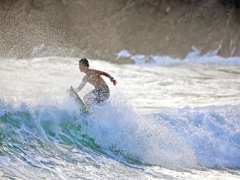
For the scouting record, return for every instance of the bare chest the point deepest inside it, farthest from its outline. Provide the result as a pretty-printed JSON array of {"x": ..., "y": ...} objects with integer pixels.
[{"x": 95, "y": 80}]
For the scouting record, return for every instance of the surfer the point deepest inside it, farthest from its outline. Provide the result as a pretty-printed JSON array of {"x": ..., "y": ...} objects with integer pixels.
[{"x": 101, "y": 91}]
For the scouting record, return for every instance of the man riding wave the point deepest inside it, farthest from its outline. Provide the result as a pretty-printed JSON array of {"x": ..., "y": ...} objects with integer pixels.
[{"x": 101, "y": 91}]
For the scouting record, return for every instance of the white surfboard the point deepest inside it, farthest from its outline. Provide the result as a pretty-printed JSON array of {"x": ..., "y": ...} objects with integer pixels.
[{"x": 78, "y": 100}]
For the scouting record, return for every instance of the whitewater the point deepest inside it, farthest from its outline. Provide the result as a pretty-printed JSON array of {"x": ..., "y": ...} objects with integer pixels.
[{"x": 166, "y": 119}]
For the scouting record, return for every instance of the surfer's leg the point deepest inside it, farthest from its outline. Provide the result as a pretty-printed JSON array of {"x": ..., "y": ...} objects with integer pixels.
[
  {"x": 97, "y": 95},
  {"x": 90, "y": 98},
  {"x": 103, "y": 93}
]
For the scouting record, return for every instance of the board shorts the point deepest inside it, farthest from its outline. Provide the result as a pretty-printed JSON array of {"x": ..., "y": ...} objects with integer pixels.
[{"x": 97, "y": 95}]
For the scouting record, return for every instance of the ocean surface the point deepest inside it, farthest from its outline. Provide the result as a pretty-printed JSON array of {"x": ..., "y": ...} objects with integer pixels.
[{"x": 166, "y": 119}]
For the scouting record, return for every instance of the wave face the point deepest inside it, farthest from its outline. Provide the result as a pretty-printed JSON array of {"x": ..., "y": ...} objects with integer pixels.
[
  {"x": 33, "y": 28},
  {"x": 51, "y": 136},
  {"x": 41, "y": 131}
]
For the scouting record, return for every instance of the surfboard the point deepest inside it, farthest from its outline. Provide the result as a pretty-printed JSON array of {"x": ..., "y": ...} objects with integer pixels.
[{"x": 73, "y": 94}]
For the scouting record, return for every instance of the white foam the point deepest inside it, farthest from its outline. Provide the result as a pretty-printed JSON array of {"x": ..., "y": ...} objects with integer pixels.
[
  {"x": 193, "y": 58},
  {"x": 212, "y": 132},
  {"x": 123, "y": 53},
  {"x": 118, "y": 128}
]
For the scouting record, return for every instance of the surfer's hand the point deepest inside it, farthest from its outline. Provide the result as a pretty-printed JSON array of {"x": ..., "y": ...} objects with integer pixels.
[{"x": 114, "y": 81}]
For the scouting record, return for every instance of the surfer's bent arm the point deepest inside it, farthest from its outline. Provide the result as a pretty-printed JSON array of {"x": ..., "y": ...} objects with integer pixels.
[
  {"x": 79, "y": 88},
  {"x": 107, "y": 75}
]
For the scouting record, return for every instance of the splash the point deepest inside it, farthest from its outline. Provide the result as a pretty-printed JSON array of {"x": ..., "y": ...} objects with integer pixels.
[
  {"x": 212, "y": 132},
  {"x": 113, "y": 129}
]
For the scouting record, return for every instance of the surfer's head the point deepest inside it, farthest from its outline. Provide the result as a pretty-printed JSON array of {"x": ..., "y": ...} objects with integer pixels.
[
  {"x": 84, "y": 62},
  {"x": 83, "y": 65}
]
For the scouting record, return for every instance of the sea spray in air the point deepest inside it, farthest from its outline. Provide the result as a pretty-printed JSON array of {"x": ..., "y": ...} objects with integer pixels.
[
  {"x": 113, "y": 129},
  {"x": 131, "y": 137},
  {"x": 212, "y": 132}
]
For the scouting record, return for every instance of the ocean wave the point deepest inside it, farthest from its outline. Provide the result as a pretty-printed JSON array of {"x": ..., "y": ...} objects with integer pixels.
[
  {"x": 212, "y": 132},
  {"x": 120, "y": 134},
  {"x": 172, "y": 138},
  {"x": 193, "y": 58}
]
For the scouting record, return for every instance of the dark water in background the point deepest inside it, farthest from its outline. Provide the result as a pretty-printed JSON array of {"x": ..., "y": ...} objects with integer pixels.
[{"x": 100, "y": 29}]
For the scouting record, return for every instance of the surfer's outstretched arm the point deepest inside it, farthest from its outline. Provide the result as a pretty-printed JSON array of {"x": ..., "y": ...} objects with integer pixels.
[
  {"x": 79, "y": 88},
  {"x": 107, "y": 75}
]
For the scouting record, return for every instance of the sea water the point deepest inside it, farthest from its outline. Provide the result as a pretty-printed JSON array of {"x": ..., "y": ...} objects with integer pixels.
[{"x": 166, "y": 119}]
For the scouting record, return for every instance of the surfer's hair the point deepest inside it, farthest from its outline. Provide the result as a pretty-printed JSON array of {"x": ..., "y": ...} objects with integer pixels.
[{"x": 84, "y": 62}]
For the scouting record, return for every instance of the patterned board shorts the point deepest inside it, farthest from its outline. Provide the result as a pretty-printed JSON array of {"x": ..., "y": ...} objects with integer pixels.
[{"x": 97, "y": 95}]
